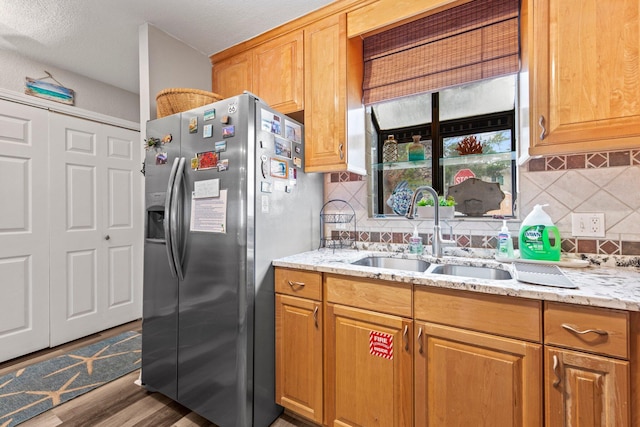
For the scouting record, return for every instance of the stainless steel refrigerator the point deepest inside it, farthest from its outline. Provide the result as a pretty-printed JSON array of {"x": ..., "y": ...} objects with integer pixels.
[{"x": 225, "y": 194}]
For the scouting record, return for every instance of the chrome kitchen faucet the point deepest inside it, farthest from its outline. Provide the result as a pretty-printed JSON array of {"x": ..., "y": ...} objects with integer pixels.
[{"x": 437, "y": 242}]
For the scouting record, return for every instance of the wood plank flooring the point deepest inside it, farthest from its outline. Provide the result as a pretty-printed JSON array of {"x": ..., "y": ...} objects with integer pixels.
[{"x": 119, "y": 403}]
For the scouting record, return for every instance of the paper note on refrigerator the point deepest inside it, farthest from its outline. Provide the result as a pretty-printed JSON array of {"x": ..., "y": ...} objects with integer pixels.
[
  {"x": 206, "y": 188},
  {"x": 209, "y": 214}
]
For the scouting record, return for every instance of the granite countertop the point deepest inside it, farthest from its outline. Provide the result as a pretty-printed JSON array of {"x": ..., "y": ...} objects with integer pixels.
[{"x": 597, "y": 286}]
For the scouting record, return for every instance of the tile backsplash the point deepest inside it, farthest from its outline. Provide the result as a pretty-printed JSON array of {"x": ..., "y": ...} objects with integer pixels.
[{"x": 607, "y": 182}]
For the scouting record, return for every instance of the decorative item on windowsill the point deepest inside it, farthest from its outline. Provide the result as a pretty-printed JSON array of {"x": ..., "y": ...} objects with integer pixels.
[
  {"x": 476, "y": 197},
  {"x": 400, "y": 198},
  {"x": 469, "y": 145},
  {"x": 415, "y": 150},
  {"x": 390, "y": 150},
  {"x": 447, "y": 208},
  {"x": 46, "y": 90}
]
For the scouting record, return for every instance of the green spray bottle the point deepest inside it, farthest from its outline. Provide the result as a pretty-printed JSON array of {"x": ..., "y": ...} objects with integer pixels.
[{"x": 539, "y": 237}]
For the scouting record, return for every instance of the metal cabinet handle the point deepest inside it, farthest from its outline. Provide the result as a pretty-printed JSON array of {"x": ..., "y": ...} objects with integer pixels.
[
  {"x": 544, "y": 129},
  {"x": 556, "y": 365},
  {"x": 420, "y": 349},
  {"x": 107, "y": 237},
  {"x": 341, "y": 148},
  {"x": 298, "y": 284},
  {"x": 315, "y": 316},
  {"x": 585, "y": 331},
  {"x": 405, "y": 337}
]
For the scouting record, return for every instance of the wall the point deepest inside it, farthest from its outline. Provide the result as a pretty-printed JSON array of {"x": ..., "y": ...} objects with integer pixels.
[
  {"x": 91, "y": 95},
  {"x": 597, "y": 182},
  {"x": 166, "y": 62}
]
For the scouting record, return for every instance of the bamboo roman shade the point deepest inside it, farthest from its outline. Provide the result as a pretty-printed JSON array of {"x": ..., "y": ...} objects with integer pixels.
[{"x": 474, "y": 41}]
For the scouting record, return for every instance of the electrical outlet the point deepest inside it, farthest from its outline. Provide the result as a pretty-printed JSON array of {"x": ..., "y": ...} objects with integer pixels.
[{"x": 587, "y": 224}]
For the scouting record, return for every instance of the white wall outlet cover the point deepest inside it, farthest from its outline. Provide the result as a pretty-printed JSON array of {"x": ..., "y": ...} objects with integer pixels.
[{"x": 589, "y": 224}]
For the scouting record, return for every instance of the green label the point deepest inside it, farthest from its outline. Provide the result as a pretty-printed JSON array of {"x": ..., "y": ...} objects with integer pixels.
[{"x": 532, "y": 238}]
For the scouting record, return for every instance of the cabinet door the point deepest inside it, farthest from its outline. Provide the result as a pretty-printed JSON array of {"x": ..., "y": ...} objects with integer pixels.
[
  {"x": 465, "y": 378},
  {"x": 369, "y": 368},
  {"x": 278, "y": 76},
  {"x": 325, "y": 87},
  {"x": 299, "y": 356},
  {"x": 584, "y": 84},
  {"x": 585, "y": 390},
  {"x": 232, "y": 76}
]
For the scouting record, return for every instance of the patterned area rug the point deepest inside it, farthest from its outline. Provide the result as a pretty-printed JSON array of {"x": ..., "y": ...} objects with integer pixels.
[{"x": 41, "y": 386}]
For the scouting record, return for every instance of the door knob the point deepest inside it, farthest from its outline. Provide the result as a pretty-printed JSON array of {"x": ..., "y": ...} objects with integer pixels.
[{"x": 107, "y": 237}]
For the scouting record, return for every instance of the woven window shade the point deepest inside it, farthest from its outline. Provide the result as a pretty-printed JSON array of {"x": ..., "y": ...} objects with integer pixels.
[{"x": 474, "y": 41}]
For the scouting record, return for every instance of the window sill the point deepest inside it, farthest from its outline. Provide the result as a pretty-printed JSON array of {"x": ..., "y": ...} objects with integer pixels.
[
  {"x": 387, "y": 166},
  {"x": 470, "y": 159}
]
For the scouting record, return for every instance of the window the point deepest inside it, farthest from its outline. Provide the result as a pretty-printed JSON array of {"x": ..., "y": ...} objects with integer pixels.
[{"x": 480, "y": 114}]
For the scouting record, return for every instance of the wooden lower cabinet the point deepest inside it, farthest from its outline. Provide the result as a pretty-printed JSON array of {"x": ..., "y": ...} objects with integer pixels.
[
  {"x": 467, "y": 378},
  {"x": 584, "y": 390},
  {"x": 368, "y": 368},
  {"x": 390, "y": 354},
  {"x": 589, "y": 355},
  {"x": 299, "y": 356}
]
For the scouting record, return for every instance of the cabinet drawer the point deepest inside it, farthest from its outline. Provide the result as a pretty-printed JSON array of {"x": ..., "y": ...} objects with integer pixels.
[
  {"x": 495, "y": 314},
  {"x": 301, "y": 283},
  {"x": 370, "y": 294},
  {"x": 597, "y": 330}
]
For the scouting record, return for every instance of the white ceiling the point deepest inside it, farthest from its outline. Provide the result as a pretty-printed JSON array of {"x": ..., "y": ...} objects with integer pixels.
[{"x": 99, "y": 38}]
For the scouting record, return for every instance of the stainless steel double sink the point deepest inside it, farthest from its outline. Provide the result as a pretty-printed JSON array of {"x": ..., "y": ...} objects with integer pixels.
[{"x": 421, "y": 266}]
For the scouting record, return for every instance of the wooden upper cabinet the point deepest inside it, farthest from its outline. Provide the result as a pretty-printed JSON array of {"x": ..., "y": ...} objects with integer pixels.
[
  {"x": 333, "y": 113},
  {"x": 232, "y": 76},
  {"x": 278, "y": 75},
  {"x": 585, "y": 82},
  {"x": 272, "y": 70}
]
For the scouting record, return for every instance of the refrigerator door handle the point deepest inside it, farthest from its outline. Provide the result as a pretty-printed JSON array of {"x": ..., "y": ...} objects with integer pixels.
[
  {"x": 167, "y": 216},
  {"x": 175, "y": 225}
]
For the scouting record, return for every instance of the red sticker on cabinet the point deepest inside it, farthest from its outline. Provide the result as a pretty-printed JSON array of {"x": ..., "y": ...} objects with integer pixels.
[{"x": 381, "y": 344}]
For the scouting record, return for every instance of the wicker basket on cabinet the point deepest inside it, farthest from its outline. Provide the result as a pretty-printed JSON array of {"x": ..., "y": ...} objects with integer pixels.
[{"x": 176, "y": 100}]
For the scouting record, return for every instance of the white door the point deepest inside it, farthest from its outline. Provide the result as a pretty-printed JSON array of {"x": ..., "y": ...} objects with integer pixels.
[
  {"x": 24, "y": 233},
  {"x": 96, "y": 227}
]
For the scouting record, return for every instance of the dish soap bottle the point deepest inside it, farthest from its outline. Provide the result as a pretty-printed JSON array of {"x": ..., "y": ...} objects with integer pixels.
[
  {"x": 415, "y": 150},
  {"x": 415, "y": 242},
  {"x": 505, "y": 244},
  {"x": 539, "y": 237}
]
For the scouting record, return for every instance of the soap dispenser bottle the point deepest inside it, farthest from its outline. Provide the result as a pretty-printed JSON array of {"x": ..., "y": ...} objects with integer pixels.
[
  {"x": 415, "y": 242},
  {"x": 504, "y": 248}
]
